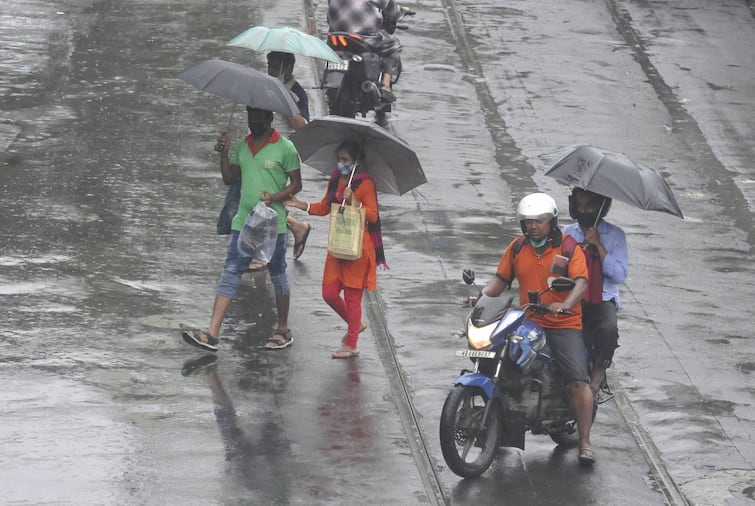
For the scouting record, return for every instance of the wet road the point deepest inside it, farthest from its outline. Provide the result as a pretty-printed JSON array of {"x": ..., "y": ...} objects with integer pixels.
[{"x": 109, "y": 195}]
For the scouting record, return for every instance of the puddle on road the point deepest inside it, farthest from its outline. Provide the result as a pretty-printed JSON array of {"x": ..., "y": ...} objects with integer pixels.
[{"x": 84, "y": 463}]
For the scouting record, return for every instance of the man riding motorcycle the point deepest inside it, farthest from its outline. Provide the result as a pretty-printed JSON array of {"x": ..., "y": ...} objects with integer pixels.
[
  {"x": 375, "y": 21},
  {"x": 538, "y": 257}
]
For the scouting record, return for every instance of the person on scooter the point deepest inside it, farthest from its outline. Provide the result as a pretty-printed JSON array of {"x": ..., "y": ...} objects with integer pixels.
[
  {"x": 375, "y": 20},
  {"x": 531, "y": 262},
  {"x": 605, "y": 248}
]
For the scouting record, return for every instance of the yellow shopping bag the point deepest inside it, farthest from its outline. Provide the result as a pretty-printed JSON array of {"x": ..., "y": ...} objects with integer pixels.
[{"x": 346, "y": 231}]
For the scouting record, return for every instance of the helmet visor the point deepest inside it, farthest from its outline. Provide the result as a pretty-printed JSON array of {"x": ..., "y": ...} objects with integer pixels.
[{"x": 540, "y": 218}]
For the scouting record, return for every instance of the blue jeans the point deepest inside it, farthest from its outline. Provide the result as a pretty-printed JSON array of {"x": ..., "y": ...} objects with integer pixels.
[{"x": 236, "y": 265}]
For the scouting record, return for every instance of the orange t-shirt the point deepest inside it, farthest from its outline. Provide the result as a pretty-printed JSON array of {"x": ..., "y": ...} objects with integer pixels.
[{"x": 532, "y": 272}]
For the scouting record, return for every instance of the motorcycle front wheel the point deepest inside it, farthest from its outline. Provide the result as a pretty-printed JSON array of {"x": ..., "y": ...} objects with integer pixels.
[{"x": 468, "y": 445}]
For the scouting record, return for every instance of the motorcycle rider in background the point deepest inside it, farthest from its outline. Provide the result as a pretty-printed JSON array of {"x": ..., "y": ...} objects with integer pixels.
[
  {"x": 375, "y": 21},
  {"x": 532, "y": 265},
  {"x": 605, "y": 248}
]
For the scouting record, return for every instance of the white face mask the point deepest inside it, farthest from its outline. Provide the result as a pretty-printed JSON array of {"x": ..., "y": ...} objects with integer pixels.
[{"x": 345, "y": 168}]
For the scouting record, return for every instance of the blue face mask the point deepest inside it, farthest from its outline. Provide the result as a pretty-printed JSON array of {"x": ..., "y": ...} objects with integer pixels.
[
  {"x": 345, "y": 168},
  {"x": 540, "y": 243}
]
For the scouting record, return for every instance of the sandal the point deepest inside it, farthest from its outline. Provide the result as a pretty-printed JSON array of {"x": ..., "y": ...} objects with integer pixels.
[
  {"x": 194, "y": 338},
  {"x": 281, "y": 339},
  {"x": 387, "y": 96},
  {"x": 299, "y": 246},
  {"x": 345, "y": 353},
  {"x": 586, "y": 457}
]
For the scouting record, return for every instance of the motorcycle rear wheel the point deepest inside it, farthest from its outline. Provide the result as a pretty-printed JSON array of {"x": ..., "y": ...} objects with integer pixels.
[{"x": 468, "y": 447}]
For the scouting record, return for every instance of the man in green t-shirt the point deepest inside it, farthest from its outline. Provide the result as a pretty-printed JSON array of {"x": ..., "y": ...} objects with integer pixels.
[{"x": 270, "y": 171}]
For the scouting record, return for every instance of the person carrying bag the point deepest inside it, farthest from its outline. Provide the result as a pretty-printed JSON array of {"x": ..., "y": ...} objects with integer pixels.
[
  {"x": 351, "y": 203},
  {"x": 346, "y": 232},
  {"x": 258, "y": 237}
]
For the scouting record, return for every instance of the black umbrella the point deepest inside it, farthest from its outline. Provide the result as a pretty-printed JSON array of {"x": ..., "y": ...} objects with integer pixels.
[
  {"x": 390, "y": 161},
  {"x": 241, "y": 84},
  {"x": 611, "y": 175}
]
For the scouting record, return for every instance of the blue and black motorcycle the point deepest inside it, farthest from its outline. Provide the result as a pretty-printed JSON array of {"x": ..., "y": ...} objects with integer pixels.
[{"x": 514, "y": 385}]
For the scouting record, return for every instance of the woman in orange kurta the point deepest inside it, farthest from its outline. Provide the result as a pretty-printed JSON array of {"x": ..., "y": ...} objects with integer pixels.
[{"x": 349, "y": 276}]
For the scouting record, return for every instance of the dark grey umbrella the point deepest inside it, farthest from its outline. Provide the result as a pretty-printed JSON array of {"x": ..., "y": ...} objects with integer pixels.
[
  {"x": 241, "y": 84},
  {"x": 611, "y": 175},
  {"x": 391, "y": 163}
]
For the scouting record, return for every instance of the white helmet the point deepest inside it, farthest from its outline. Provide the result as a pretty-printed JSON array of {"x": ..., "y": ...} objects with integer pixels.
[{"x": 536, "y": 206}]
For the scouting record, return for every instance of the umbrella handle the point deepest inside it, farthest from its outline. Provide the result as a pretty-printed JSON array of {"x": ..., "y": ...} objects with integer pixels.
[
  {"x": 600, "y": 211},
  {"x": 218, "y": 147},
  {"x": 351, "y": 177}
]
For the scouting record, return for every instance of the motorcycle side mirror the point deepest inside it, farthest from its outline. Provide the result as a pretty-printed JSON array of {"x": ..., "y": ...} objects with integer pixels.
[
  {"x": 562, "y": 284},
  {"x": 468, "y": 276}
]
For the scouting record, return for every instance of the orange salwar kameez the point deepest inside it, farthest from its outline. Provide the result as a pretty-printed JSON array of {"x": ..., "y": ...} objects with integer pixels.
[{"x": 351, "y": 276}]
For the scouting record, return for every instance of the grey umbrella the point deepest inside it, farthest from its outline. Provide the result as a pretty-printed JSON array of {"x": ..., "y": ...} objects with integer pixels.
[
  {"x": 391, "y": 163},
  {"x": 241, "y": 84},
  {"x": 611, "y": 175}
]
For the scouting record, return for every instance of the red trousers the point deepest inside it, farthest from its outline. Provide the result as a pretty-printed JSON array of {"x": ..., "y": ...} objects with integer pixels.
[{"x": 348, "y": 307}]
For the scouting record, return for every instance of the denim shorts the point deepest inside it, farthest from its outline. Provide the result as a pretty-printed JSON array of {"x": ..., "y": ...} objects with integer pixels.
[{"x": 236, "y": 265}]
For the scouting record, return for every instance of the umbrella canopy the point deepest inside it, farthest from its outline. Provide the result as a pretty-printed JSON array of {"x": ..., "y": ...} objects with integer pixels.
[
  {"x": 390, "y": 161},
  {"x": 241, "y": 84},
  {"x": 611, "y": 175},
  {"x": 288, "y": 40}
]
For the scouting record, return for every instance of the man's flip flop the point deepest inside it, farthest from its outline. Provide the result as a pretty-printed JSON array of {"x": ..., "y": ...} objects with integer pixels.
[
  {"x": 193, "y": 337},
  {"x": 586, "y": 458},
  {"x": 281, "y": 339},
  {"x": 301, "y": 244}
]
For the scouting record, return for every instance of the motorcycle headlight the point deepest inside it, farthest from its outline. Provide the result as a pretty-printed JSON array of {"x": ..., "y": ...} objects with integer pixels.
[{"x": 479, "y": 337}]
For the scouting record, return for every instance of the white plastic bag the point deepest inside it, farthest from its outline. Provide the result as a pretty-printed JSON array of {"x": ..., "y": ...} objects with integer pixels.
[{"x": 257, "y": 238}]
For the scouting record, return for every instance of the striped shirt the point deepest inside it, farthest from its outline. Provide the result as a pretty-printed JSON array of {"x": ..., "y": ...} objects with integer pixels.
[{"x": 361, "y": 16}]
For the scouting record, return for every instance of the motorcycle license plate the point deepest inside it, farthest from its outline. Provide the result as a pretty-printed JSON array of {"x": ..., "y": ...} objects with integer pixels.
[
  {"x": 475, "y": 354},
  {"x": 338, "y": 66}
]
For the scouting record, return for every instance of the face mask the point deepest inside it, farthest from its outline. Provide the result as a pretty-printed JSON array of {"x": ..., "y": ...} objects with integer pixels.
[
  {"x": 587, "y": 220},
  {"x": 540, "y": 243},
  {"x": 345, "y": 168},
  {"x": 257, "y": 128}
]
